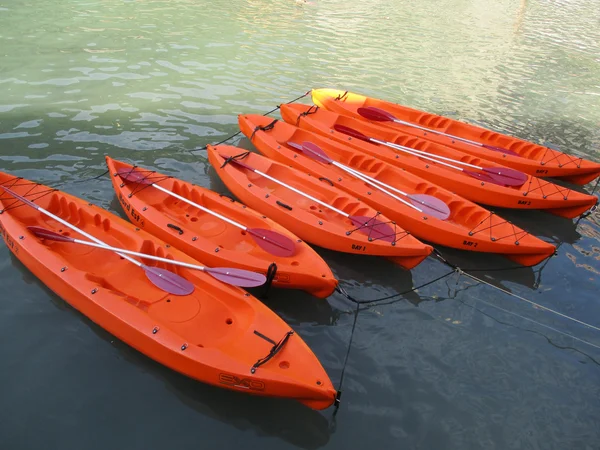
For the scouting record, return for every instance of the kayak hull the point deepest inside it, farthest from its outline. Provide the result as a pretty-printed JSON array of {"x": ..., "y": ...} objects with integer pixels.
[
  {"x": 462, "y": 229},
  {"x": 522, "y": 155},
  {"x": 535, "y": 193},
  {"x": 210, "y": 239},
  {"x": 307, "y": 219},
  {"x": 207, "y": 335}
]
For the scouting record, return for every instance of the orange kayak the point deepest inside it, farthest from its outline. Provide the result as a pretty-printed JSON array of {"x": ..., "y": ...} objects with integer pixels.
[
  {"x": 467, "y": 226},
  {"x": 535, "y": 193},
  {"x": 217, "y": 334},
  {"x": 486, "y": 144},
  {"x": 313, "y": 219},
  {"x": 212, "y": 239}
]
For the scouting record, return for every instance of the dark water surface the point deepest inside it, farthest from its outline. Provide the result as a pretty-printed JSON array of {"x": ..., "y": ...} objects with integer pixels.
[{"x": 442, "y": 368}]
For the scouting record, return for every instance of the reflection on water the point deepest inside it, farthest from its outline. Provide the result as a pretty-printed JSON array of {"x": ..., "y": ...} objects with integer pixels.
[{"x": 151, "y": 81}]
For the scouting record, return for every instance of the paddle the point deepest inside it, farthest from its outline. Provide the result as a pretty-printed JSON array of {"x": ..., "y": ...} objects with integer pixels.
[
  {"x": 236, "y": 277},
  {"x": 421, "y": 202},
  {"x": 379, "y": 115},
  {"x": 162, "y": 279},
  {"x": 510, "y": 176},
  {"x": 270, "y": 241},
  {"x": 370, "y": 226},
  {"x": 488, "y": 176}
]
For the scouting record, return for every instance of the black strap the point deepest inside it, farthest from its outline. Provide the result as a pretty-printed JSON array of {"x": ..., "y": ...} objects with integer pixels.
[
  {"x": 276, "y": 348},
  {"x": 266, "y": 338},
  {"x": 235, "y": 158},
  {"x": 283, "y": 205},
  {"x": 175, "y": 227},
  {"x": 342, "y": 97},
  {"x": 313, "y": 109},
  {"x": 271, "y": 273},
  {"x": 265, "y": 128},
  {"x": 326, "y": 179}
]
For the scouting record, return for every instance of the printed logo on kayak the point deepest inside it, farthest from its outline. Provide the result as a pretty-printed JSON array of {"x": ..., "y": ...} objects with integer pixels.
[
  {"x": 242, "y": 383},
  {"x": 9, "y": 242},
  {"x": 280, "y": 278},
  {"x": 360, "y": 248},
  {"x": 131, "y": 210}
]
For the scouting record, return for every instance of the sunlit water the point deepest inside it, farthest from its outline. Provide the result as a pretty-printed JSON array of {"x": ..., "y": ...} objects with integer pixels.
[{"x": 151, "y": 81}]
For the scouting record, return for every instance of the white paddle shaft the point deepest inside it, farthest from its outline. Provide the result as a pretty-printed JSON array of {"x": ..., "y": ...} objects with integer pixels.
[
  {"x": 304, "y": 194},
  {"x": 141, "y": 255},
  {"x": 83, "y": 233},
  {"x": 421, "y": 152},
  {"x": 189, "y": 202},
  {"x": 478, "y": 144},
  {"x": 413, "y": 152},
  {"x": 376, "y": 184}
]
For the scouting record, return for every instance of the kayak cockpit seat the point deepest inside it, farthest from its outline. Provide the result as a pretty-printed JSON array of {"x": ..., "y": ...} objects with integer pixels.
[
  {"x": 433, "y": 121},
  {"x": 470, "y": 215}
]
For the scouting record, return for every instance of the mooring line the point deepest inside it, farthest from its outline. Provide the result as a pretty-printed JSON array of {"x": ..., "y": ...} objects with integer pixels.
[{"x": 537, "y": 305}]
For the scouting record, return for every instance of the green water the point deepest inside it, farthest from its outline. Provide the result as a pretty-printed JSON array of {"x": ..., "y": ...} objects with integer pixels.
[{"x": 151, "y": 81}]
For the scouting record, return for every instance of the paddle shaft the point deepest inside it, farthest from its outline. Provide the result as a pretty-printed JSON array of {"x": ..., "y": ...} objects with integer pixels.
[
  {"x": 202, "y": 208},
  {"x": 83, "y": 233},
  {"x": 434, "y": 156},
  {"x": 291, "y": 188},
  {"x": 376, "y": 184},
  {"x": 142, "y": 255},
  {"x": 402, "y": 122},
  {"x": 414, "y": 153}
]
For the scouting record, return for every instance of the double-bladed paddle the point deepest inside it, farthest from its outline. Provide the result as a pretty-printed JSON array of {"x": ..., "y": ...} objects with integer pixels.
[
  {"x": 161, "y": 278},
  {"x": 379, "y": 115},
  {"x": 423, "y": 203},
  {"x": 502, "y": 176},
  {"x": 236, "y": 277},
  {"x": 270, "y": 241},
  {"x": 372, "y": 227}
]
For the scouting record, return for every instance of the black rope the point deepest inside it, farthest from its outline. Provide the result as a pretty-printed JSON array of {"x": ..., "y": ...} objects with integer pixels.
[
  {"x": 97, "y": 177},
  {"x": 235, "y": 158},
  {"x": 265, "y": 128},
  {"x": 389, "y": 297},
  {"x": 339, "y": 391},
  {"x": 239, "y": 132},
  {"x": 56, "y": 185},
  {"x": 595, "y": 186},
  {"x": 586, "y": 214},
  {"x": 311, "y": 110}
]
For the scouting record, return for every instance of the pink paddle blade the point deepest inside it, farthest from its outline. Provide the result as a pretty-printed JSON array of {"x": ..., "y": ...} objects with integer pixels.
[
  {"x": 161, "y": 278},
  {"x": 351, "y": 132},
  {"x": 430, "y": 205},
  {"x": 375, "y": 114},
  {"x": 237, "y": 277},
  {"x": 501, "y": 150},
  {"x": 294, "y": 145},
  {"x": 134, "y": 176},
  {"x": 273, "y": 242},
  {"x": 374, "y": 228},
  {"x": 509, "y": 177},
  {"x": 312, "y": 151},
  {"x": 485, "y": 177},
  {"x": 45, "y": 233},
  {"x": 316, "y": 152},
  {"x": 168, "y": 281}
]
